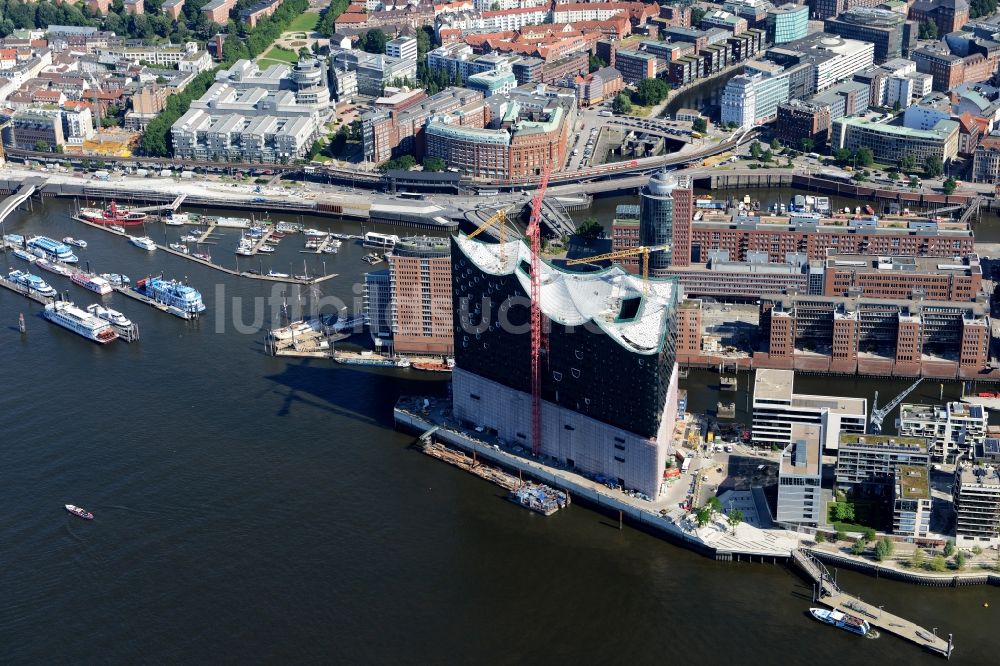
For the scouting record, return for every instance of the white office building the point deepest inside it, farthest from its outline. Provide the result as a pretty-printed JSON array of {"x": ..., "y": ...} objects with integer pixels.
[
  {"x": 776, "y": 408},
  {"x": 404, "y": 48},
  {"x": 799, "y": 476}
]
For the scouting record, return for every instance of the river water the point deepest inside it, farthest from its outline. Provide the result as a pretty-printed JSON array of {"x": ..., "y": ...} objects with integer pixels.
[{"x": 259, "y": 510}]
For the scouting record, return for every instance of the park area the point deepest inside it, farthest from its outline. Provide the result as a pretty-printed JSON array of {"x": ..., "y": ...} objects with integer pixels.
[
  {"x": 304, "y": 22},
  {"x": 277, "y": 55}
]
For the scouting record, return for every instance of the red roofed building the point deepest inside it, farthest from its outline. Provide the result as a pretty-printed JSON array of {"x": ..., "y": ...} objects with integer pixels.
[
  {"x": 351, "y": 20},
  {"x": 968, "y": 134},
  {"x": 8, "y": 58}
]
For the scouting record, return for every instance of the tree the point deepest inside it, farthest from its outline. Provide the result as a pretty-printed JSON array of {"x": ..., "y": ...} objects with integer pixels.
[
  {"x": 703, "y": 516},
  {"x": 976, "y": 550},
  {"x": 978, "y": 8},
  {"x": 928, "y": 30},
  {"x": 807, "y": 144},
  {"x": 949, "y": 548},
  {"x": 907, "y": 163},
  {"x": 315, "y": 149},
  {"x": 869, "y": 534},
  {"x": 590, "y": 229},
  {"x": 775, "y": 144},
  {"x": 949, "y": 186},
  {"x": 596, "y": 63},
  {"x": 735, "y": 518},
  {"x": 893, "y": 175},
  {"x": 404, "y": 163},
  {"x": 767, "y": 156},
  {"x": 434, "y": 164},
  {"x": 697, "y": 14},
  {"x": 843, "y": 512},
  {"x": 914, "y": 182},
  {"x": 960, "y": 560},
  {"x": 700, "y": 125},
  {"x": 755, "y": 150},
  {"x": 843, "y": 156},
  {"x": 715, "y": 504},
  {"x": 650, "y": 92},
  {"x": 917, "y": 559},
  {"x": 621, "y": 104},
  {"x": 896, "y": 106},
  {"x": 840, "y": 535},
  {"x": 933, "y": 166},
  {"x": 938, "y": 563},
  {"x": 865, "y": 157},
  {"x": 820, "y": 537},
  {"x": 883, "y": 549},
  {"x": 858, "y": 547},
  {"x": 42, "y": 146},
  {"x": 373, "y": 41}
]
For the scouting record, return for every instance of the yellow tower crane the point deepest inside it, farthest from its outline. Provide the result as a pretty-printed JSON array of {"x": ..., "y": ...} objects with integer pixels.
[
  {"x": 498, "y": 218},
  {"x": 622, "y": 254}
]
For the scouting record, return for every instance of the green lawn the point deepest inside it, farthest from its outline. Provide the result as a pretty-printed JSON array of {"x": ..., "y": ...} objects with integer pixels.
[
  {"x": 278, "y": 54},
  {"x": 305, "y": 22}
]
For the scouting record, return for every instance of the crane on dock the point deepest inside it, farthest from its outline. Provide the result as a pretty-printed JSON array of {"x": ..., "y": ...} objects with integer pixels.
[
  {"x": 534, "y": 236},
  {"x": 879, "y": 414},
  {"x": 622, "y": 254}
]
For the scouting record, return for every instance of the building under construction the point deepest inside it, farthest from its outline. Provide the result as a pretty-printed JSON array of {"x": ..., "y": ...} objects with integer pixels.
[{"x": 608, "y": 370}]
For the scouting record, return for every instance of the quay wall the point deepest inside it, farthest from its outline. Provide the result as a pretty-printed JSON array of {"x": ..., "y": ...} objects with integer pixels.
[
  {"x": 580, "y": 493},
  {"x": 359, "y": 212},
  {"x": 915, "y": 577}
]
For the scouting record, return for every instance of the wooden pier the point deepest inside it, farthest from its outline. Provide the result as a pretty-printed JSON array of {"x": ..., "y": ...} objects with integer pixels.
[
  {"x": 262, "y": 241},
  {"x": 826, "y": 592},
  {"x": 208, "y": 232}
]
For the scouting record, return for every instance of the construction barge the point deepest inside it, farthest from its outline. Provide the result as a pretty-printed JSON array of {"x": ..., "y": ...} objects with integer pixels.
[{"x": 536, "y": 497}]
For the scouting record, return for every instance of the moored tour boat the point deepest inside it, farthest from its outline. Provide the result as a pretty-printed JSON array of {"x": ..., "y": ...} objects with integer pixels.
[
  {"x": 117, "y": 279},
  {"x": 113, "y": 215},
  {"x": 143, "y": 242},
  {"x": 94, "y": 283},
  {"x": 72, "y": 318},
  {"x": 32, "y": 282},
  {"x": 58, "y": 269},
  {"x": 111, "y": 316},
  {"x": 841, "y": 620}
]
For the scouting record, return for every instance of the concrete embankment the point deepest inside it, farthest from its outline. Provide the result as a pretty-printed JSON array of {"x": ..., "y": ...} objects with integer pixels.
[{"x": 929, "y": 579}]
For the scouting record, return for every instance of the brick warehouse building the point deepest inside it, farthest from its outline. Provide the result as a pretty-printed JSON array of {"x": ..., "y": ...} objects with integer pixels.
[
  {"x": 890, "y": 337},
  {"x": 779, "y": 237}
]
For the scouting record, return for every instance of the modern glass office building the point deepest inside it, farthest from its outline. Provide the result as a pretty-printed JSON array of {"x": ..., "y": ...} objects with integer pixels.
[{"x": 787, "y": 23}]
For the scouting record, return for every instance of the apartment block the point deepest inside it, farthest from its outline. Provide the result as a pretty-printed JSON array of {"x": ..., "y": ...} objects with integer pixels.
[
  {"x": 689, "y": 328},
  {"x": 950, "y": 429},
  {"x": 872, "y": 459},
  {"x": 911, "y": 506},
  {"x": 976, "y": 494},
  {"x": 797, "y": 120}
]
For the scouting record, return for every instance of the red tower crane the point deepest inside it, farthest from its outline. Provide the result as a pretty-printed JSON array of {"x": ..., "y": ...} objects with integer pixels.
[{"x": 534, "y": 233}]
